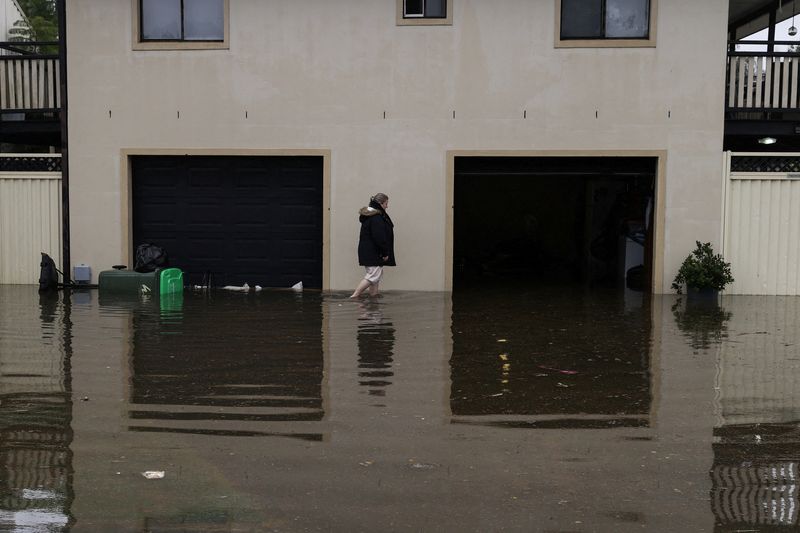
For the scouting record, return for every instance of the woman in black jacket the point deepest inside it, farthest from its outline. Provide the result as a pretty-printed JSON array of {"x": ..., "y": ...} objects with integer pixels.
[{"x": 375, "y": 243}]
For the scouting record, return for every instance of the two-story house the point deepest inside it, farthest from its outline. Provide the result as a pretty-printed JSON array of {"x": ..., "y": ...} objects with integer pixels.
[{"x": 563, "y": 141}]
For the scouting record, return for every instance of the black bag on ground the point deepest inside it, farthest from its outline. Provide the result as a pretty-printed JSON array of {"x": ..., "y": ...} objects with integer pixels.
[
  {"x": 150, "y": 257},
  {"x": 48, "y": 275}
]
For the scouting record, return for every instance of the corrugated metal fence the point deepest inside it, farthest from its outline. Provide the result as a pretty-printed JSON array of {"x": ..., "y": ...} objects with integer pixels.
[
  {"x": 30, "y": 222},
  {"x": 762, "y": 223}
]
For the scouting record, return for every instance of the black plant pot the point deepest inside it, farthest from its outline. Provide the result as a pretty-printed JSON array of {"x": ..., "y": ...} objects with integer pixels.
[{"x": 705, "y": 296}]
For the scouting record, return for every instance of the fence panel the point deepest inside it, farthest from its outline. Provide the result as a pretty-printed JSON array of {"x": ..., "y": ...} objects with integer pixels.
[{"x": 30, "y": 223}]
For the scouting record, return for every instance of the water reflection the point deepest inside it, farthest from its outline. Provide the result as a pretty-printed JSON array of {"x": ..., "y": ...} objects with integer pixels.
[
  {"x": 375, "y": 348},
  {"x": 756, "y": 440},
  {"x": 570, "y": 359},
  {"x": 255, "y": 359},
  {"x": 179, "y": 386},
  {"x": 35, "y": 413},
  {"x": 703, "y": 323},
  {"x": 755, "y": 476}
]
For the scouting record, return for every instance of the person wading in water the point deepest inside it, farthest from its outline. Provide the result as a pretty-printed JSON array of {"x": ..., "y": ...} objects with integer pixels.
[{"x": 375, "y": 243}]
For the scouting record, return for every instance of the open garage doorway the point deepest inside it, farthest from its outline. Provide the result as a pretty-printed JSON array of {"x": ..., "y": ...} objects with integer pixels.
[{"x": 554, "y": 221}]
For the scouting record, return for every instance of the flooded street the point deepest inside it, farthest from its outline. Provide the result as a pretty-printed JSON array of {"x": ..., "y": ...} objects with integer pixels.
[{"x": 485, "y": 410}]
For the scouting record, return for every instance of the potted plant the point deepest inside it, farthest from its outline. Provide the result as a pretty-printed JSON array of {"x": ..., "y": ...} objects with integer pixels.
[{"x": 703, "y": 273}]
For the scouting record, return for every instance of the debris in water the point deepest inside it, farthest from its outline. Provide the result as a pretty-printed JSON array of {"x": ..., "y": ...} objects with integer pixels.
[
  {"x": 298, "y": 286},
  {"x": 566, "y": 372},
  {"x": 758, "y": 439},
  {"x": 365, "y": 463},
  {"x": 422, "y": 466},
  {"x": 498, "y": 340},
  {"x": 154, "y": 474},
  {"x": 504, "y": 357},
  {"x": 243, "y": 288},
  {"x": 562, "y": 385}
]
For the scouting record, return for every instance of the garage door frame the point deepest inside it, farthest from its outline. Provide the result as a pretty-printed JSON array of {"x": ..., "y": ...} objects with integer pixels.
[
  {"x": 659, "y": 215},
  {"x": 126, "y": 188}
]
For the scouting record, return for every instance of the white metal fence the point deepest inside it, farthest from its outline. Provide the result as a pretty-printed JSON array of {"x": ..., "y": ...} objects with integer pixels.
[
  {"x": 762, "y": 224},
  {"x": 30, "y": 223}
]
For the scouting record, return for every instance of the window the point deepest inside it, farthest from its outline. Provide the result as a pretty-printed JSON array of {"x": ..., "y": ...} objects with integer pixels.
[
  {"x": 425, "y": 8},
  {"x": 617, "y": 22},
  {"x": 166, "y": 24},
  {"x": 424, "y": 12}
]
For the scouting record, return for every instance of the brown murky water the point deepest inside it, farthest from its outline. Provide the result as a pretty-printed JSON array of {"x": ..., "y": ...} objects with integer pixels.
[{"x": 488, "y": 410}]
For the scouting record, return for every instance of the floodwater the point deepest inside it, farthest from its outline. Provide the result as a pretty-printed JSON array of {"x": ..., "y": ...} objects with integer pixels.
[{"x": 486, "y": 410}]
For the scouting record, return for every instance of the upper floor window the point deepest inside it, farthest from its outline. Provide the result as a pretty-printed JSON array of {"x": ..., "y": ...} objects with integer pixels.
[
  {"x": 436, "y": 9},
  {"x": 617, "y": 22},
  {"x": 181, "y": 24},
  {"x": 427, "y": 12}
]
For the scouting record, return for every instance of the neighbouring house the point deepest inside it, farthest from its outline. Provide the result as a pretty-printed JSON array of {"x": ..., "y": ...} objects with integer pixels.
[
  {"x": 550, "y": 142},
  {"x": 10, "y": 14}
]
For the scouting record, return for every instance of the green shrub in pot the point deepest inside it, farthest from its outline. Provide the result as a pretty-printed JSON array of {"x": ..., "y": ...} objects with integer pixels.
[{"x": 703, "y": 270}]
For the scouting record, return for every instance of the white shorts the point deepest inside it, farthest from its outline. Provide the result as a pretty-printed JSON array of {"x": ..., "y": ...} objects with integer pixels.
[{"x": 374, "y": 274}]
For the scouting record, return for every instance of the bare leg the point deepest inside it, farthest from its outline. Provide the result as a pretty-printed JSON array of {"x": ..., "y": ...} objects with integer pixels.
[
  {"x": 373, "y": 289},
  {"x": 362, "y": 286}
]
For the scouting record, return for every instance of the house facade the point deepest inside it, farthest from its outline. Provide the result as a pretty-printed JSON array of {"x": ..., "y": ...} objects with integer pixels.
[{"x": 243, "y": 137}]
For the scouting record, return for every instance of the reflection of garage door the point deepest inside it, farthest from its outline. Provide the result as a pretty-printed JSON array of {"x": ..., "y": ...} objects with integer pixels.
[
  {"x": 255, "y": 220},
  {"x": 762, "y": 223}
]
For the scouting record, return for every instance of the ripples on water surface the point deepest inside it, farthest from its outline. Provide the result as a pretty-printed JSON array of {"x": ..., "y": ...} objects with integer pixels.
[{"x": 548, "y": 410}]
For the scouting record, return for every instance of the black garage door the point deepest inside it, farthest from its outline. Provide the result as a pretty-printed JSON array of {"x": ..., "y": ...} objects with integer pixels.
[{"x": 255, "y": 220}]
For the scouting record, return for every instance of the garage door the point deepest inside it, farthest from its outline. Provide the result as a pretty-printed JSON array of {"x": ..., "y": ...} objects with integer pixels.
[
  {"x": 255, "y": 220},
  {"x": 762, "y": 223}
]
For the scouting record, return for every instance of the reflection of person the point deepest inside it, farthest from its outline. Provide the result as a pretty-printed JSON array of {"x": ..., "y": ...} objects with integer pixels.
[
  {"x": 375, "y": 243},
  {"x": 375, "y": 349}
]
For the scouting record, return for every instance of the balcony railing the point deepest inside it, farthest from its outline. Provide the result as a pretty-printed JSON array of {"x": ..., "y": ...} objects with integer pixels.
[{"x": 29, "y": 77}]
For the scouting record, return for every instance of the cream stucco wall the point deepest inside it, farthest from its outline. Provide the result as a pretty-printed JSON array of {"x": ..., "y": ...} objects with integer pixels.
[{"x": 319, "y": 75}]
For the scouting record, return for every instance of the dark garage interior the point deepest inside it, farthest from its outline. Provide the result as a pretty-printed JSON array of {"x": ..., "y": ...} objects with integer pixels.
[{"x": 583, "y": 221}]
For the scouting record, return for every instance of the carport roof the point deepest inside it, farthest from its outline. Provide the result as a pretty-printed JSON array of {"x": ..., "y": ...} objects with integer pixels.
[{"x": 750, "y": 16}]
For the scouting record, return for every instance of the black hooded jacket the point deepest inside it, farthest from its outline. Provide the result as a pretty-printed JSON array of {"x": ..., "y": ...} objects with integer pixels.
[{"x": 376, "y": 239}]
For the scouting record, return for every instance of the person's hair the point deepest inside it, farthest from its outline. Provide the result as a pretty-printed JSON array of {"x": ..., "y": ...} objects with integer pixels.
[{"x": 379, "y": 198}]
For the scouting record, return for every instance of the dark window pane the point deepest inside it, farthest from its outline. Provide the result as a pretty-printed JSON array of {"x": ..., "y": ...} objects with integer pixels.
[
  {"x": 581, "y": 19},
  {"x": 204, "y": 20},
  {"x": 435, "y": 8},
  {"x": 413, "y": 8},
  {"x": 161, "y": 19},
  {"x": 628, "y": 18}
]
